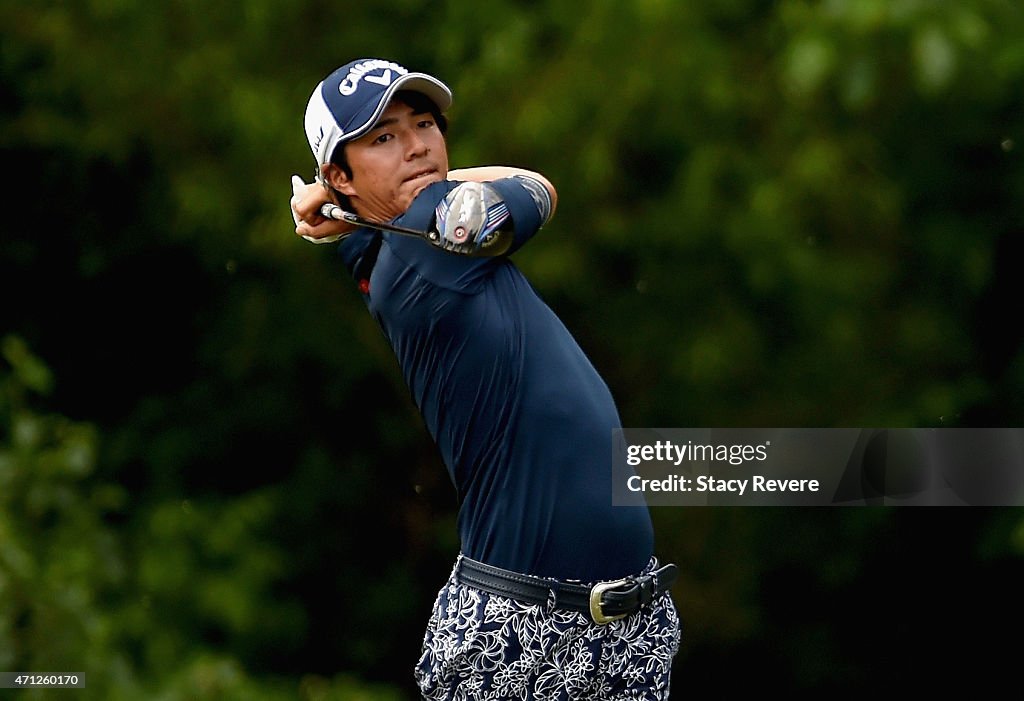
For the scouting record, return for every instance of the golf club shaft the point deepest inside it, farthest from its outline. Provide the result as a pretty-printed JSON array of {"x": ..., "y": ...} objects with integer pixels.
[{"x": 333, "y": 211}]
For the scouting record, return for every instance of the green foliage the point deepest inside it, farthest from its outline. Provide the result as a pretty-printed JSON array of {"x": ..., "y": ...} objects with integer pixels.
[
  {"x": 770, "y": 214},
  {"x": 126, "y": 608},
  {"x": 56, "y": 558}
]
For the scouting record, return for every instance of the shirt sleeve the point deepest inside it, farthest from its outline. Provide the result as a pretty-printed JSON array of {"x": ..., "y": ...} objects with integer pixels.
[
  {"x": 529, "y": 204},
  {"x": 463, "y": 273}
]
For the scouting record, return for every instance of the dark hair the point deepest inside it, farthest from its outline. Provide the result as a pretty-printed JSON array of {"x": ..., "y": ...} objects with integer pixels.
[{"x": 420, "y": 104}]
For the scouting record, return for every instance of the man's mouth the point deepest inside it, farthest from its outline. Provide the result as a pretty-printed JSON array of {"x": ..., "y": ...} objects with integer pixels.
[{"x": 421, "y": 173}]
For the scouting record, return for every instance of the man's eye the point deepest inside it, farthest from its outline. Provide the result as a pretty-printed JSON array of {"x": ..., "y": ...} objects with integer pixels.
[
  {"x": 382, "y": 138},
  {"x": 426, "y": 124}
]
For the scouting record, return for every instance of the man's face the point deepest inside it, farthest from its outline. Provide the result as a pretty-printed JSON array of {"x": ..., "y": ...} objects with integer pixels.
[{"x": 392, "y": 163}]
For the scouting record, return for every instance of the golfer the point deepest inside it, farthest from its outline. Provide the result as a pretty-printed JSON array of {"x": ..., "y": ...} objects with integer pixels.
[{"x": 556, "y": 593}]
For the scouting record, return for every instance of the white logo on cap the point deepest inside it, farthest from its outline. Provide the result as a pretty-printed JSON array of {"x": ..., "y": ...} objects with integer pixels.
[{"x": 360, "y": 70}]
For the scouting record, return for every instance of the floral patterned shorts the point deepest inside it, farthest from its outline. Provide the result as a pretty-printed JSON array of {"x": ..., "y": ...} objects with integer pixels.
[{"x": 481, "y": 646}]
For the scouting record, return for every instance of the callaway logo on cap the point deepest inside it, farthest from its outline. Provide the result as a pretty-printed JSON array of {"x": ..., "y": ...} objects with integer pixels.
[{"x": 347, "y": 103}]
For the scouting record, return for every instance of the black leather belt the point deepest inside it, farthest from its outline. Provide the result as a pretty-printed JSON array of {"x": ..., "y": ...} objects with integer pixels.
[{"x": 604, "y": 601}]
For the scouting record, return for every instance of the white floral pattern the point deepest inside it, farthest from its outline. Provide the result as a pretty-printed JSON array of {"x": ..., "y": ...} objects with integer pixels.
[{"x": 484, "y": 647}]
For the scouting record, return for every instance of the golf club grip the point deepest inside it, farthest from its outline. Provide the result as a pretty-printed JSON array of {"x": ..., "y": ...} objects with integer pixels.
[{"x": 333, "y": 211}]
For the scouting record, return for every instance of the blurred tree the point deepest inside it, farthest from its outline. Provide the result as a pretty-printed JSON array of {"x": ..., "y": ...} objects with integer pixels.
[
  {"x": 770, "y": 214},
  {"x": 139, "y": 613}
]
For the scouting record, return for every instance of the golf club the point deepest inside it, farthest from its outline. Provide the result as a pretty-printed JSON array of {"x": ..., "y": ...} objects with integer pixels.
[{"x": 333, "y": 211}]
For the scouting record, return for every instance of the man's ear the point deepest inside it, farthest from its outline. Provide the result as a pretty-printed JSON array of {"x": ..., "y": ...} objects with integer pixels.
[{"x": 334, "y": 176}]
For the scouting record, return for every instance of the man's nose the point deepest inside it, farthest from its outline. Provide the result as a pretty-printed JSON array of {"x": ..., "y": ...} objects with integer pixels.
[{"x": 415, "y": 145}]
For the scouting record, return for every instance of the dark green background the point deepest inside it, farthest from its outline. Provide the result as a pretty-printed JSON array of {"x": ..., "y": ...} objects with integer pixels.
[{"x": 213, "y": 483}]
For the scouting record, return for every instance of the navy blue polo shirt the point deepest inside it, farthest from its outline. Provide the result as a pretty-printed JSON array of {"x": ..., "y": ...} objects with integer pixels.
[{"x": 522, "y": 419}]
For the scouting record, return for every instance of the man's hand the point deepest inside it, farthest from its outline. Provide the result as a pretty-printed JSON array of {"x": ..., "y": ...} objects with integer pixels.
[{"x": 310, "y": 224}]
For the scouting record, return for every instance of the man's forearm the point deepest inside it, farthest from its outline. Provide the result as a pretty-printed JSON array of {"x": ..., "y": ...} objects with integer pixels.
[{"x": 482, "y": 174}]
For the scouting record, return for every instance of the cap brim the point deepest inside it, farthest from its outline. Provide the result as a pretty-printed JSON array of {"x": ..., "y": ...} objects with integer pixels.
[
  {"x": 418, "y": 82},
  {"x": 422, "y": 83}
]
